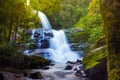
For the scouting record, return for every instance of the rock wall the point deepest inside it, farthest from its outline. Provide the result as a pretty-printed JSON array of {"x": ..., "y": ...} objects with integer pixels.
[{"x": 110, "y": 10}]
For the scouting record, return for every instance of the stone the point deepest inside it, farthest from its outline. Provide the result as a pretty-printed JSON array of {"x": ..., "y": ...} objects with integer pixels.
[
  {"x": 71, "y": 62},
  {"x": 19, "y": 76},
  {"x": 25, "y": 74},
  {"x": 68, "y": 67},
  {"x": 6, "y": 76},
  {"x": 99, "y": 72},
  {"x": 36, "y": 75},
  {"x": 79, "y": 61},
  {"x": 52, "y": 64},
  {"x": 78, "y": 73},
  {"x": 46, "y": 68},
  {"x": 1, "y": 76}
]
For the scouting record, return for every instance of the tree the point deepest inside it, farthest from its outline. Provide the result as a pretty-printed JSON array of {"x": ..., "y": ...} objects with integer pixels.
[
  {"x": 92, "y": 22},
  {"x": 50, "y": 7},
  {"x": 110, "y": 10},
  {"x": 72, "y": 11},
  {"x": 14, "y": 14}
]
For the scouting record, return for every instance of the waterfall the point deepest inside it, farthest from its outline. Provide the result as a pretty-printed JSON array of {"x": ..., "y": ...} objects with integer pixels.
[
  {"x": 59, "y": 48},
  {"x": 44, "y": 21},
  {"x": 51, "y": 43}
]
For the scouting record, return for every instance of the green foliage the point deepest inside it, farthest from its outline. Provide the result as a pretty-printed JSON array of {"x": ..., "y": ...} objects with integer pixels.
[
  {"x": 92, "y": 22},
  {"x": 10, "y": 57},
  {"x": 62, "y": 13},
  {"x": 15, "y": 16},
  {"x": 96, "y": 33},
  {"x": 71, "y": 11},
  {"x": 91, "y": 59},
  {"x": 73, "y": 35}
]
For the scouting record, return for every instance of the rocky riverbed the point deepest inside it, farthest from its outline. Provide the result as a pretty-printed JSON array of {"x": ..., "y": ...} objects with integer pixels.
[{"x": 59, "y": 71}]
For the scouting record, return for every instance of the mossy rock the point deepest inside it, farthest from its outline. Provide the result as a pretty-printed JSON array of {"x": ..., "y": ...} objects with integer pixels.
[
  {"x": 38, "y": 62},
  {"x": 100, "y": 42},
  {"x": 77, "y": 36}
]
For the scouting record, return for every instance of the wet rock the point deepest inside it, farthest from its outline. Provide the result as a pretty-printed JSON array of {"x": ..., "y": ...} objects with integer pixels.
[
  {"x": 68, "y": 67},
  {"x": 1, "y": 76},
  {"x": 6, "y": 76},
  {"x": 71, "y": 62},
  {"x": 79, "y": 61},
  {"x": 36, "y": 75},
  {"x": 19, "y": 76},
  {"x": 25, "y": 74},
  {"x": 52, "y": 64},
  {"x": 78, "y": 73},
  {"x": 99, "y": 72},
  {"x": 75, "y": 69},
  {"x": 46, "y": 68}
]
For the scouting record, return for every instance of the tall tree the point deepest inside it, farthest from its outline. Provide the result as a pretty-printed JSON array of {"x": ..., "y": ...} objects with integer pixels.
[
  {"x": 14, "y": 14},
  {"x": 72, "y": 11},
  {"x": 110, "y": 10}
]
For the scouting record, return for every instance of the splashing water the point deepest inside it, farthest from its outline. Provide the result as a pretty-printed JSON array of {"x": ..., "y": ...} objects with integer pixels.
[{"x": 59, "y": 48}]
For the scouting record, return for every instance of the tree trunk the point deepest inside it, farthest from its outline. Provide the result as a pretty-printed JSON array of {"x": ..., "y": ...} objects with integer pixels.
[
  {"x": 110, "y": 10},
  {"x": 10, "y": 29},
  {"x": 16, "y": 30}
]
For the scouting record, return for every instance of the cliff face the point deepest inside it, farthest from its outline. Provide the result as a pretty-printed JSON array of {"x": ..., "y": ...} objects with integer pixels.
[{"x": 110, "y": 10}]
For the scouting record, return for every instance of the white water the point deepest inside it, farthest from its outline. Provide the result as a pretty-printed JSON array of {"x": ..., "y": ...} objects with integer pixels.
[
  {"x": 60, "y": 53},
  {"x": 44, "y": 21},
  {"x": 57, "y": 72},
  {"x": 59, "y": 49}
]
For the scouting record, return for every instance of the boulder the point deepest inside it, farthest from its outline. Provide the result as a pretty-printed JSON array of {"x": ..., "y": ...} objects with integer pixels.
[
  {"x": 36, "y": 75},
  {"x": 19, "y": 76},
  {"x": 6, "y": 76},
  {"x": 68, "y": 67},
  {"x": 25, "y": 74},
  {"x": 71, "y": 62},
  {"x": 99, "y": 72},
  {"x": 46, "y": 68},
  {"x": 1, "y": 76},
  {"x": 78, "y": 73},
  {"x": 79, "y": 61},
  {"x": 52, "y": 64}
]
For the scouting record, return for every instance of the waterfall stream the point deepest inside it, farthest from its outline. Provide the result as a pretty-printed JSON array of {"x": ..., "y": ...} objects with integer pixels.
[
  {"x": 57, "y": 72},
  {"x": 51, "y": 43},
  {"x": 58, "y": 50}
]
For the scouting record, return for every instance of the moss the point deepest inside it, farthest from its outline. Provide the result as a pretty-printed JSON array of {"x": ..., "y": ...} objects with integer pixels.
[
  {"x": 10, "y": 57},
  {"x": 73, "y": 36},
  {"x": 110, "y": 10},
  {"x": 91, "y": 59},
  {"x": 99, "y": 42},
  {"x": 113, "y": 67}
]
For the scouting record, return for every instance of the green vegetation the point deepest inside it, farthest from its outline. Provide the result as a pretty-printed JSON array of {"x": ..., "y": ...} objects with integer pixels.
[
  {"x": 82, "y": 20},
  {"x": 10, "y": 57},
  {"x": 111, "y": 17},
  {"x": 92, "y": 26},
  {"x": 92, "y": 22}
]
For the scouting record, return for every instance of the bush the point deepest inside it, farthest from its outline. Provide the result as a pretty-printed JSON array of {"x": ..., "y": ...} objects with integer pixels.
[{"x": 10, "y": 57}]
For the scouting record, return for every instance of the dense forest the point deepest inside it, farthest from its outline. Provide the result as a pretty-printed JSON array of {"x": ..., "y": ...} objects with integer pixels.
[{"x": 92, "y": 23}]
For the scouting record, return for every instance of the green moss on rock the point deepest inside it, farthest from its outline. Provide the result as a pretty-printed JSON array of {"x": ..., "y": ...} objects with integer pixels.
[{"x": 110, "y": 10}]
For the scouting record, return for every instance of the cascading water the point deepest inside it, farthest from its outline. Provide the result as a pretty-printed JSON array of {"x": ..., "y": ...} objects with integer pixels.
[
  {"x": 51, "y": 43},
  {"x": 59, "y": 49},
  {"x": 44, "y": 21}
]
